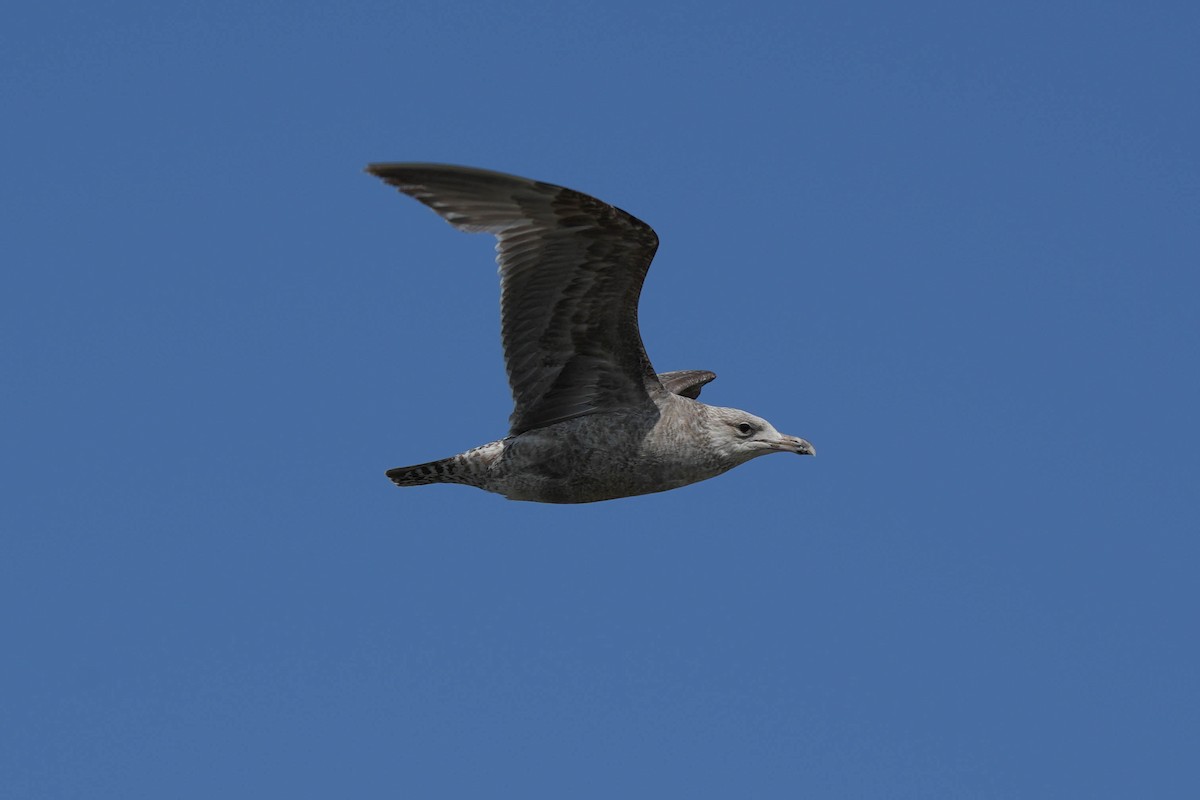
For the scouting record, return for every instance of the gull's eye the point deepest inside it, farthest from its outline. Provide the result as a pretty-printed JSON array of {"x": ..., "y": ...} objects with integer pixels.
[{"x": 745, "y": 428}]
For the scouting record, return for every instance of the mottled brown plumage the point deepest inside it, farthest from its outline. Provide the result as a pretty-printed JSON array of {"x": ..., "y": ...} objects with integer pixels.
[{"x": 591, "y": 419}]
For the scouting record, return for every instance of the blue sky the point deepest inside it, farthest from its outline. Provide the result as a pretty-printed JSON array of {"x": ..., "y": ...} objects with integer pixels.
[{"x": 953, "y": 245}]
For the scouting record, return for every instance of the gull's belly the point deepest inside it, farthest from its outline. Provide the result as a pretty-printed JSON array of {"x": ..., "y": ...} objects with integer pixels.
[{"x": 600, "y": 457}]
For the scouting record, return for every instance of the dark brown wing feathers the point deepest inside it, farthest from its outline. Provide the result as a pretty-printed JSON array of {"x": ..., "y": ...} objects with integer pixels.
[
  {"x": 686, "y": 382},
  {"x": 571, "y": 272}
]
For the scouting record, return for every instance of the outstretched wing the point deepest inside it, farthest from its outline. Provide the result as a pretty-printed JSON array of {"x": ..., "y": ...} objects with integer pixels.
[
  {"x": 571, "y": 272},
  {"x": 686, "y": 382}
]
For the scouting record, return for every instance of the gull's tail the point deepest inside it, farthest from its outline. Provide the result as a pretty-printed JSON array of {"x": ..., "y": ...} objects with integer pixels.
[
  {"x": 471, "y": 468},
  {"x": 446, "y": 470}
]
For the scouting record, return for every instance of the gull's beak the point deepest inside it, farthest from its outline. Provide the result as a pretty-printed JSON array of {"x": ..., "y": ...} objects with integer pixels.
[{"x": 793, "y": 444}]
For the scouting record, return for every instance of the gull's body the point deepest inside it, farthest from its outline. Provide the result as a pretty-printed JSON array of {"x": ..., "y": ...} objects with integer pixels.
[{"x": 591, "y": 419}]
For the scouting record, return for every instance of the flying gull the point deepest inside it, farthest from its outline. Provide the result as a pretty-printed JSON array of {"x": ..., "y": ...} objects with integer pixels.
[{"x": 591, "y": 419}]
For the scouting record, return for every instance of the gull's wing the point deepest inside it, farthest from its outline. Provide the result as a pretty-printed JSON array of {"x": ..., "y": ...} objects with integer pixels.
[
  {"x": 571, "y": 272},
  {"x": 686, "y": 382}
]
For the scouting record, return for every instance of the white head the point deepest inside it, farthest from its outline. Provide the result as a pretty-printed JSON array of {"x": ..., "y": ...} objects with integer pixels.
[{"x": 738, "y": 436}]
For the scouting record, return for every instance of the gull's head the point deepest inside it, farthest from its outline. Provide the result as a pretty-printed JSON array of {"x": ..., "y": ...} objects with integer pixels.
[{"x": 741, "y": 436}]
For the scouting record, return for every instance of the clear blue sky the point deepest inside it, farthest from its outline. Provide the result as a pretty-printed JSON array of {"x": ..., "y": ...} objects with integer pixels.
[{"x": 956, "y": 246}]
